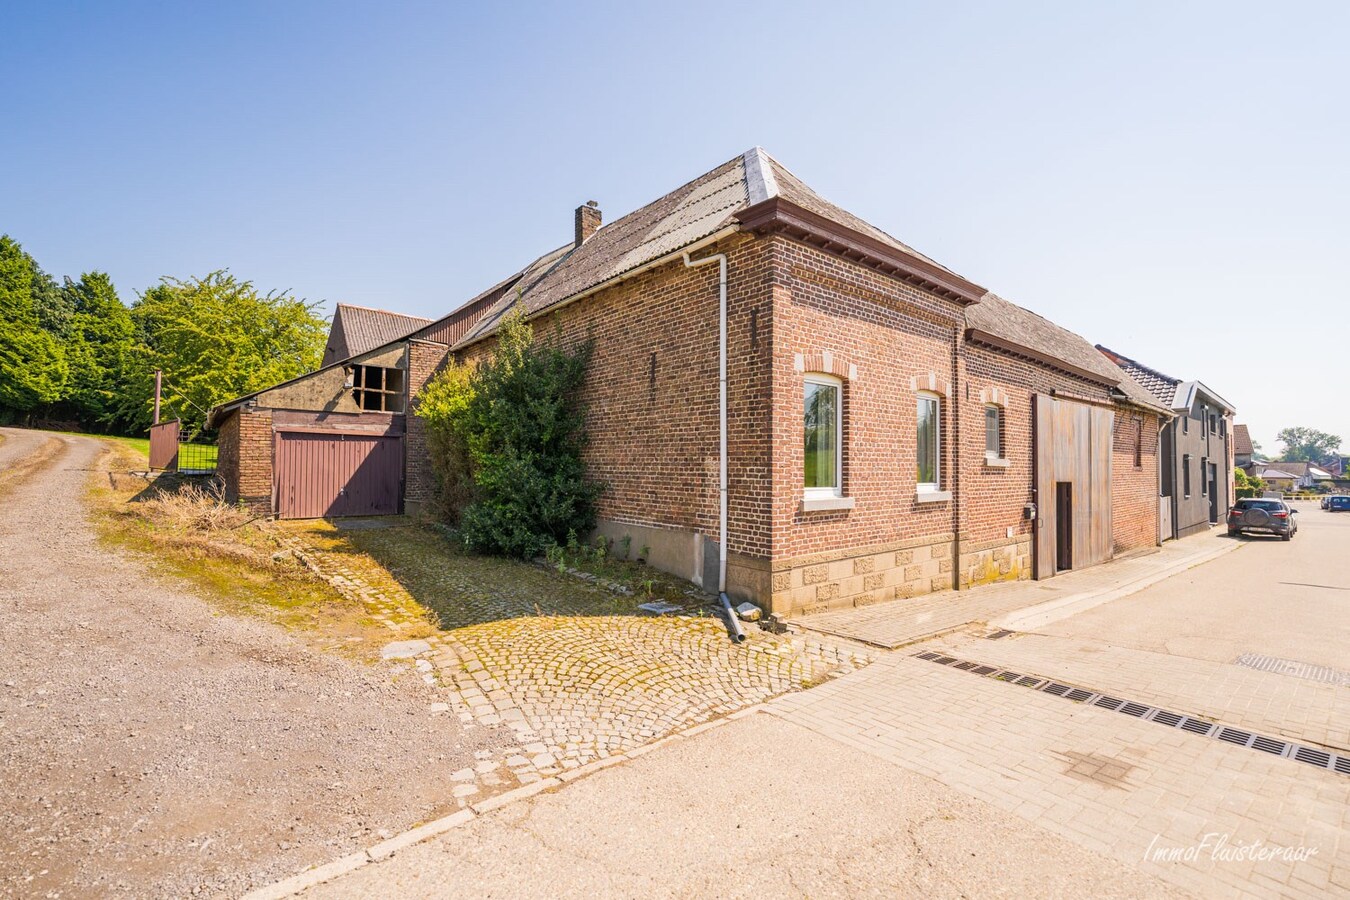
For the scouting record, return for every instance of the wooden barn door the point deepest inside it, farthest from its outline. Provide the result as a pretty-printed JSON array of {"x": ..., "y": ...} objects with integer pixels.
[
  {"x": 320, "y": 475},
  {"x": 1073, "y": 469}
]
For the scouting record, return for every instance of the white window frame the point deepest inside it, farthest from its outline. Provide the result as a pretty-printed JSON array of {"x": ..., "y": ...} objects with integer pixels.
[
  {"x": 993, "y": 455},
  {"x": 929, "y": 487},
  {"x": 824, "y": 493}
]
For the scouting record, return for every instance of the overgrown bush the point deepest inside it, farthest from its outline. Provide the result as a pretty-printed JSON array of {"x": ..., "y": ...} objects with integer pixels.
[
  {"x": 508, "y": 439},
  {"x": 441, "y": 404}
]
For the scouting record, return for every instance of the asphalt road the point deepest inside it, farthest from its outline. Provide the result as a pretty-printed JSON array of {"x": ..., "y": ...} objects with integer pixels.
[{"x": 1285, "y": 599}]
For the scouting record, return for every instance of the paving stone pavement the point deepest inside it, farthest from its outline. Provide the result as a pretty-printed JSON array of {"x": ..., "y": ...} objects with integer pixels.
[
  {"x": 896, "y": 623},
  {"x": 1270, "y": 703},
  {"x": 1133, "y": 790},
  {"x": 568, "y": 690}
]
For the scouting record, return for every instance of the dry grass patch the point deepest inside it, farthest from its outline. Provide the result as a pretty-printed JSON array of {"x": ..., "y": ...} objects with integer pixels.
[
  {"x": 26, "y": 466},
  {"x": 188, "y": 532}
]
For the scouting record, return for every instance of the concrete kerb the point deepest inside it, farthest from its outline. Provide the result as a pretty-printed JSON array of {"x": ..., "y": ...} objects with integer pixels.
[
  {"x": 1043, "y": 614},
  {"x": 376, "y": 853}
]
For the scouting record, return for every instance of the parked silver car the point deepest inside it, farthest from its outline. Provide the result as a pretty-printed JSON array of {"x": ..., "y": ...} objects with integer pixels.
[{"x": 1257, "y": 515}]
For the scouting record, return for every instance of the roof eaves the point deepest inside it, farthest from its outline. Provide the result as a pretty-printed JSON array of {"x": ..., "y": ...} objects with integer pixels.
[
  {"x": 994, "y": 342},
  {"x": 779, "y": 213}
]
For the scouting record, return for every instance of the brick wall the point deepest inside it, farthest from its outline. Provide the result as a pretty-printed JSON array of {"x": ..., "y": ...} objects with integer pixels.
[
  {"x": 419, "y": 486},
  {"x": 1134, "y": 489},
  {"x": 994, "y": 496},
  {"x": 253, "y": 474},
  {"x": 227, "y": 457},
  {"x": 651, "y": 395}
]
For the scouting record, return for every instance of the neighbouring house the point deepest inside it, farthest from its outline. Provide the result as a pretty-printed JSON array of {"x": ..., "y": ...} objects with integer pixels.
[
  {"x": 1242, "y": 447},
  {"x": 889, "y": 427},
  {"x": 1197, "y": 451},
  {"x": 1293, "y": 476}
]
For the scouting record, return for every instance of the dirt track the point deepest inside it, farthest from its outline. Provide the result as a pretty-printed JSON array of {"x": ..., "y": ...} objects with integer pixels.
[{"x": 151, "y": 746}]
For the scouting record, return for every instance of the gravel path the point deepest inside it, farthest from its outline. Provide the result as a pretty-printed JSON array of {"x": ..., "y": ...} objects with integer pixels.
[{"x": 150, "y": 745}]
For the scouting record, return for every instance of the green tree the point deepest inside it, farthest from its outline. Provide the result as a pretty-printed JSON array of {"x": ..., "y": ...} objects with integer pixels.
[
  {"x": 100, "y": 348},
  {"x": 216, "y": 338},
  {"x": 517, "y": 421},
  {"x": 33, "y": 369},
  {"x": 1307, "y": 444},
  {"x": 1245, "y": 485}
]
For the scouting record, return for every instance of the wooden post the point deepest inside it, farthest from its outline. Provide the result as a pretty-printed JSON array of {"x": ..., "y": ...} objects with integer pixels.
[{"x": 159, "y": 373}]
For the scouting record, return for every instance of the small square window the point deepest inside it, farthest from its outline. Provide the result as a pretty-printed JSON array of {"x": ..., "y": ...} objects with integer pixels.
[{"x": 377, "y": 389}]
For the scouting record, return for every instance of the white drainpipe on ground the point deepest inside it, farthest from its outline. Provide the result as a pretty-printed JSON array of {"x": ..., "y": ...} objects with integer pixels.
[{"x": 733, "y": 623}]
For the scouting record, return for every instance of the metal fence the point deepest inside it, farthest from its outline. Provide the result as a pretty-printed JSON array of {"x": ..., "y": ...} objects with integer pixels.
[{"x": 173, "y": 451}]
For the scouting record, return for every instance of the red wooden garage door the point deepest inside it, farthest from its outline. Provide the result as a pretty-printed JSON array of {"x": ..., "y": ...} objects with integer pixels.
[{"x": 327, "y": 474}]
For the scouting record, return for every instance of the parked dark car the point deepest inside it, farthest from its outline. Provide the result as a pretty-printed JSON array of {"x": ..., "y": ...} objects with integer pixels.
[
  {"x": 1256, "y": 515},
  {"x": 1338, "y": 504}
]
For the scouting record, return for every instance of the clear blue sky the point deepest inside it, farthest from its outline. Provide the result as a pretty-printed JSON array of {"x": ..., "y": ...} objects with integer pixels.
[{"x": 1169, "y": 179}]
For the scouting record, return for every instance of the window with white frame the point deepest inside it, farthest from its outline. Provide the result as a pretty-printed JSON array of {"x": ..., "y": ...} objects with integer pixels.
[
  {"x": 928, "y": 438},
  {"x": 993, "y": 432},
  {"x": 823, "y": 430}
]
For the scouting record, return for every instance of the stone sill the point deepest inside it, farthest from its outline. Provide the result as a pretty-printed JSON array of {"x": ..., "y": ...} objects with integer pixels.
[
  {"x": 996, "y": 462},
  {"x": 932, "y": 496},
  {"x": 826, "y": 504}
]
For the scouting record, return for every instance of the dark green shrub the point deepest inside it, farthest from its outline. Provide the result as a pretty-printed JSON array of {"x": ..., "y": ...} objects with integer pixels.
[{"x": 509, "y": 438}]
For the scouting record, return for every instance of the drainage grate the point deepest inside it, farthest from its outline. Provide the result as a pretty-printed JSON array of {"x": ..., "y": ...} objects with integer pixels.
[
  {"x": 1269, "y": 745},
  {"x": 1312, "y": 756},
  {"x": 1310, "y": 671},
  {"x": 1196, "y": 726},
  {"x": 1319, "y": 758}
]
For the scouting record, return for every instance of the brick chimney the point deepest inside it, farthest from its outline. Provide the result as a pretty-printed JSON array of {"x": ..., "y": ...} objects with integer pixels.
[{"x": 588, "y": 221}]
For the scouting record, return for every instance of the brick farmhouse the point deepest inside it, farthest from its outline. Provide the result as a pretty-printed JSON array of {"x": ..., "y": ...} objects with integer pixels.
[{"x": 889, "y": 428}]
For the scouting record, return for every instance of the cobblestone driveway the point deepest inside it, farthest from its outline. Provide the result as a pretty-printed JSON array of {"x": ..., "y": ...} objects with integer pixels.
[{"x": 572, "y": 688}]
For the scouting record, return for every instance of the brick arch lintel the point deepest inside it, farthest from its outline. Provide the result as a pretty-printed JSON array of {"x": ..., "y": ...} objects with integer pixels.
[
  {"x": 995, "y": 396},
  {"x": 929, "y": 381},
  {"x": 826, "y": 361}
]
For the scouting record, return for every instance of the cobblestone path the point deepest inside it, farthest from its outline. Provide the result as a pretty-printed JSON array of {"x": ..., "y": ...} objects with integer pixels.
[{"x": 572, "y": 689}]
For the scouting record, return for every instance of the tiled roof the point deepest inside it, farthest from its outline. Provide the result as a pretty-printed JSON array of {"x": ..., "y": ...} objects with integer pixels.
[
  {"x": 1242, "y": 441},
  {"x": 712, "y": 202},
  {"x": 1162, "y": 387},
  {"x": 1298, "y": 469},
  {"x": 1017, "y": 325},
  {"x": 363, "y": 328},
  {"x": 791, "y": 188},
  {"x": 682, "y": 217}
]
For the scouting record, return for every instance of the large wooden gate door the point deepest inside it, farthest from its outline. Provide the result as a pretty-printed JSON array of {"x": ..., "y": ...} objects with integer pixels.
[
  {"x": 1072, "y": 447},
  {"x": 324, "y": 474}
]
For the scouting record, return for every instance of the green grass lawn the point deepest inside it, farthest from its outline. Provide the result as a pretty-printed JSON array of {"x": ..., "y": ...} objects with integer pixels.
[{"x": 190, "y": 456}]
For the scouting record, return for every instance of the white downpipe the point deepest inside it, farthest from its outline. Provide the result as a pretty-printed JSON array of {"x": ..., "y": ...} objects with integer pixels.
[{"x": 721, "y": 260}]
